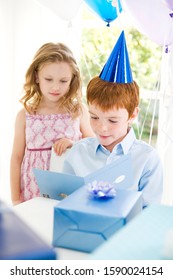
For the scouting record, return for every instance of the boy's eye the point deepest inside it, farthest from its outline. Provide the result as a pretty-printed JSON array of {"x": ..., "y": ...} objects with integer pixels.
[
  {"x": 94, "y": 118},
  {"x": 113, "y": 121}
]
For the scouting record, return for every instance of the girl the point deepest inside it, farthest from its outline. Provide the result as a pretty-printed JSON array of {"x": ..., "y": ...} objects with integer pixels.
[{"x": 53, "y": 114}]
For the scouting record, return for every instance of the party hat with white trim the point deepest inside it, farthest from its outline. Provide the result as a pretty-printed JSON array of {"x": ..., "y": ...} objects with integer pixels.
[{"x": 117, "y": 68}]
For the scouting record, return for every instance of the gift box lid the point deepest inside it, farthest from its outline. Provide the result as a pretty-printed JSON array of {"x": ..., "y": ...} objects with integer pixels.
[
  {"x": 58, "y": 185},
  {"x": 118, "y": 206}
]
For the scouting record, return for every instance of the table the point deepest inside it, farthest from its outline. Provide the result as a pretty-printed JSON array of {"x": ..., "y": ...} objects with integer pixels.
[
  {"x": 148, "y": 229},
  {"x": 37, "y": 213}
]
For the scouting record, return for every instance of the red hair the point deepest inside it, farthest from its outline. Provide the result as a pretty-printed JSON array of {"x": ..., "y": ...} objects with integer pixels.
[{"x": 108, "y": 95}]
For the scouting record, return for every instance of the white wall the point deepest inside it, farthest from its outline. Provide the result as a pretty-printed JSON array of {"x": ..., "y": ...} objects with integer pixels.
[
  {"x": 24, "y": 26},
  {"x": 7, "y": 90}
]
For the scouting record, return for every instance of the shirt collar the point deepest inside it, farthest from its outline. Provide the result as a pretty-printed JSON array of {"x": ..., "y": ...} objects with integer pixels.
[
  {"x": 97, "y": 146},
  {"x": 128, "y": 140},
  {"x": 124, "y": 146}
]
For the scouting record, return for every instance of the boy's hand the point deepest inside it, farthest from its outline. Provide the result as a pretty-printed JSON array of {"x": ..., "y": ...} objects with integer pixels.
[{"x": 61, "y": 145}]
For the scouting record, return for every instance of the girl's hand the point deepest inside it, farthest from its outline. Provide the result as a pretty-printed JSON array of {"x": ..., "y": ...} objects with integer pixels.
[
  {"x": 16, "y": 202},
  {"x": 61, "y": 145}
]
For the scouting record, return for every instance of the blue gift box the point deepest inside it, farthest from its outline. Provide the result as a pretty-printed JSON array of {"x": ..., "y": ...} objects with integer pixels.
[
  {"x": 144, "y": 238},
  {"x": 18, "y": 241},
  {"x": 83, "y": 223}
]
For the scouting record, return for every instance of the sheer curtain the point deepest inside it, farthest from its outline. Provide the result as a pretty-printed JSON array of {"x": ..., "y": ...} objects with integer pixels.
[
  {"x": 24, "y": 27},
  {"x": 165, "y": 132}
]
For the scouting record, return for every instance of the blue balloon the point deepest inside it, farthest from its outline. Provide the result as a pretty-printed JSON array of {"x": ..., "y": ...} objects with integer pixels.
[{"x": 104, "y": 9}]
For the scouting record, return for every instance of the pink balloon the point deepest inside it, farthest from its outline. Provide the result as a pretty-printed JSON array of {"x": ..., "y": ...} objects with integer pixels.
[
  {"x": 169, "y": 3},
  {"x": 152, "y": 18}
]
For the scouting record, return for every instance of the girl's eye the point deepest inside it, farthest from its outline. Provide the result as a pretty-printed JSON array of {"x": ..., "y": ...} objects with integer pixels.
[
  {"x": 48, "y": 79},
  {"x": 113, "y": 121},
  {"x": 64, "y": 81}
]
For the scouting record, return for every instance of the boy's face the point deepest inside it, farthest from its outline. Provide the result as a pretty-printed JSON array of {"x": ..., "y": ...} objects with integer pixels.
[{"x": 111, "y": 126}]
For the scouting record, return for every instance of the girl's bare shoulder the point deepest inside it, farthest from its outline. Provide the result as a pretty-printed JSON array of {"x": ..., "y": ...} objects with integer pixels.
[{"x": 21, "y": 116}]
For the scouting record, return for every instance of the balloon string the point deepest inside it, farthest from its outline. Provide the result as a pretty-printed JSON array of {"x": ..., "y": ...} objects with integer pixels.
[
  {"x": 71, "y": 31},
  {"x": 168, "y": 33},
  {"x": 153, "y": 117},
  {"x": 118, "y": 14},
  {"x": 166, "y": 87},
  {"x": 156, "y": 98},
  {"x": 145, "y": 117}
]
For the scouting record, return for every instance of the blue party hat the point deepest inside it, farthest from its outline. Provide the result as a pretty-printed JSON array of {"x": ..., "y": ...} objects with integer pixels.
[{"x": 117, "y": 69}]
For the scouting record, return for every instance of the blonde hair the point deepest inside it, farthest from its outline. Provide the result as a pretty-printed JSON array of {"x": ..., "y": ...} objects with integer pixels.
[
  {"x": 47, "y": 53},
  {"x": 109, "y": 95}
]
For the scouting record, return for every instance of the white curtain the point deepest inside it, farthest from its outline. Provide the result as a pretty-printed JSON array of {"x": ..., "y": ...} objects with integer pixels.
[
  {"x": 165, "y": 132},
  {"x": 155, "y": 20},
  {"x": 24, "y": 27}
]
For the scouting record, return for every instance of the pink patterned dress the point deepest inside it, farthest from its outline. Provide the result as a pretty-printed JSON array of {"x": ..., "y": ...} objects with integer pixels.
[{"x": 41, "y": 133}]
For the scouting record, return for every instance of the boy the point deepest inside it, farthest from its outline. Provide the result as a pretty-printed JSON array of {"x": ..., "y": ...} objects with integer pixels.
[{"x": 113, "y": 100}]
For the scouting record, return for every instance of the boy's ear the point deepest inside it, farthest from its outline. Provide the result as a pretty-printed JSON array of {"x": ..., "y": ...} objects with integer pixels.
[{"x": 134, "y": 115}]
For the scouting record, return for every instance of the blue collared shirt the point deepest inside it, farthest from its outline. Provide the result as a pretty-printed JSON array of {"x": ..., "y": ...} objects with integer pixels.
[{"x": 88, "y": 155}]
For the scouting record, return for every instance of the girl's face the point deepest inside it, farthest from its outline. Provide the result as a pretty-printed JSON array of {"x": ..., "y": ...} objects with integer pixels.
[
  {"x": 111, "y": 126},
  {"x": 54, "y": 80}
]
